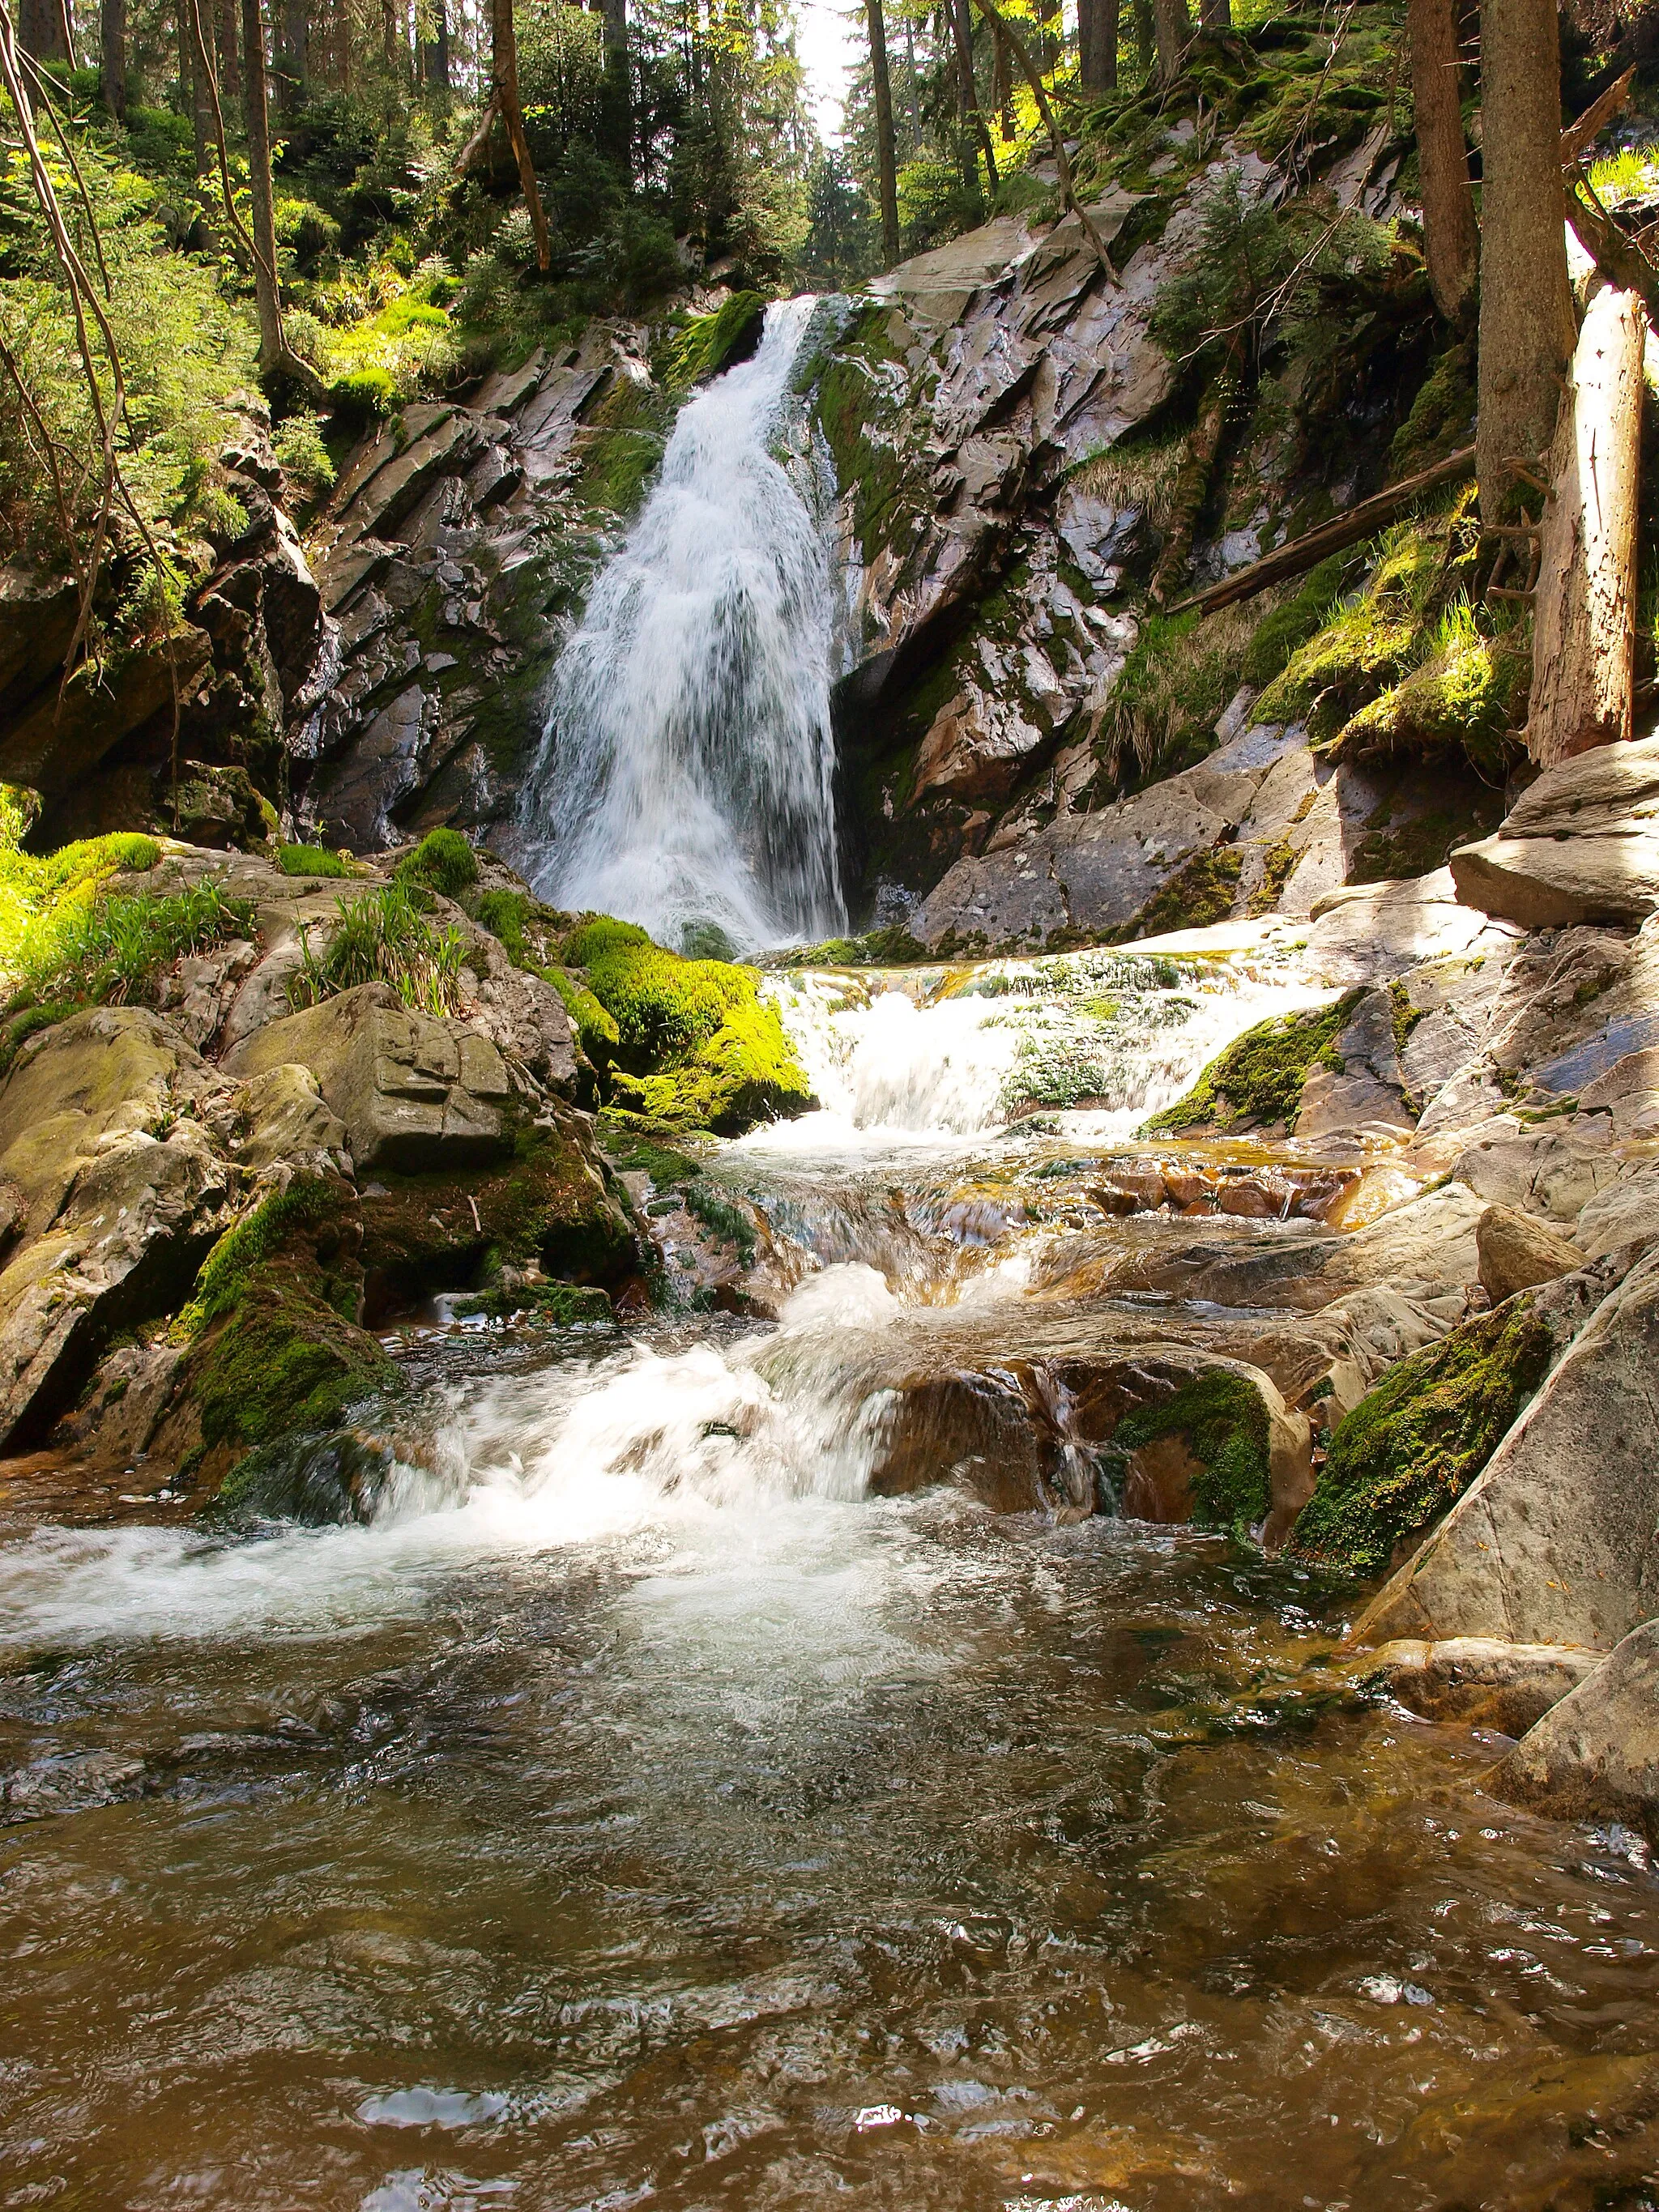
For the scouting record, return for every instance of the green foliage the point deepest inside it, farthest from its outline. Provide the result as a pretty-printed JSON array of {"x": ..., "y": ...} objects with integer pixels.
[
  {"x": 444, "y": 862},
  {"x": 1174, "y": 687},
  {"x": 312, "y": 861},
  {"x": 306, "y": 460},
  {"x": 1467, "y": 692},
  {"x": 663, "y": 1006},
  {"x": 1411, "y": 1448},
  {"x": 1259, "y": 1077},
  {"x": 1224, "y": 1420},
  {"x": 383, "y": 938}
]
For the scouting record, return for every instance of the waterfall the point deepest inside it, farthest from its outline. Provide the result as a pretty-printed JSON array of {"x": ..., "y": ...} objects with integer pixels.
[{"x": 685, "y": 773}]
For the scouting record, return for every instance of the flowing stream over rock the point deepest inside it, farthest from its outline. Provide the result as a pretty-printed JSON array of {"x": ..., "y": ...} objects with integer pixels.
[
  {"x": 641, "y": 1811},
  {"x": 685, "y": 775}
]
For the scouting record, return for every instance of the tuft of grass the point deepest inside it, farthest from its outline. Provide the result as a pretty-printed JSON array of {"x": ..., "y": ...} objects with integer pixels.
[
  {"x": 313, "y": 861},
  {"x": 383, "y": 938},
  {"x": 444, "y": 862}
]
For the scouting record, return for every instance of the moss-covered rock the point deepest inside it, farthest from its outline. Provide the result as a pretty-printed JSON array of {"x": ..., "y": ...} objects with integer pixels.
[
  {"x": 275, "y": 1349},
  {"x": 1411, "y": 1448},
  {"x": 1257, "y": 1081},
  {"x": 1223, "y": 1421},
  {"x": 709, "y": 343}
]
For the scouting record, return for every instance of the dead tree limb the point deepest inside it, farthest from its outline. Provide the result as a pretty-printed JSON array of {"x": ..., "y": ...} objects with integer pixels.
[
  {"x": 1009, "y": 39},
  {"x": 1343, "y": 530},
  {"x": 1579, "y": 138},
  {"x": 1584, "y": 601}
]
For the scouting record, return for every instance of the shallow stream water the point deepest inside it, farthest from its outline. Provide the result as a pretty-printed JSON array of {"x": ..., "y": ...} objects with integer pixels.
[{"x": 638, "y": 1813}]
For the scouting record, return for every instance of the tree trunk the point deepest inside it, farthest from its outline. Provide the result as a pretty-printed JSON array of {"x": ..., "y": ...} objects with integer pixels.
[
  {"x": 615, "y": 13},
  {"x": 1583, "y": 652},
  {"x": 1097, "y": 23},
  {"x": 41, "y": 30},
  {"x": 113, "y": 56},
  {"x": 973, "y": 119},
  {"x": 1450, "y": 240},
  {"x": 437, "y": 52},
  {"x": 192, "y": 79},
  {"x": 1527, "y": 325},
  {"x": 1215, "y": 17},
  {"x": 504, "y": 96},
  {"x": 886, "y": 166},
  {"x": 1146, "y": 37},
  {"x": 1172, "y": 27},
  {"x": 389, "y": 36},
  {"x": 230, "y": 68},
  {"x": 256, "y": 115},
  {"x": 297, "y": 55}
]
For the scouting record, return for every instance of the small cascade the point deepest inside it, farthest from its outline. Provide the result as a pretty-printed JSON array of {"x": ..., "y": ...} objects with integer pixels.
[
  {"x": 685, "y": 776},
  {"x": 930, "y": 1057}
]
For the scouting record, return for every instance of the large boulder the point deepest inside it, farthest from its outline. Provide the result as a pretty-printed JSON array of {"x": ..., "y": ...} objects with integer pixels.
[
  {"x": 1553, "y": 1542},
  {"x": 415, "y": 1091},
  {"x": 118, "y": 1152},
  {"x": 1516, "y": 1252},
  {"x": 1596, "y": 1752},
  {"x": 1581, "y": 844}
]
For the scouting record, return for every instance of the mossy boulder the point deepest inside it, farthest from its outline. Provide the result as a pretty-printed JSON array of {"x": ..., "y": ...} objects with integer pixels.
[
  {"x": 1410, "y": 1449},
  {"x": 694, "y": 1045},
  {"x": 1257, "y": 1081},
  {"x": 1223, "y": 1419},
  {"x": 275, "y": 1349}
]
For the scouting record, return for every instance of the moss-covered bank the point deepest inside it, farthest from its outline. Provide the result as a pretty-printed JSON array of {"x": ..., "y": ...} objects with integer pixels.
[{"x": 1257, "y": 1081}]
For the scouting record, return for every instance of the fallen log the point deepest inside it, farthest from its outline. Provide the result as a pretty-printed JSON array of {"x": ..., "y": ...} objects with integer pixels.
[
  {"x": 1342, "y": 530},
  {"x": 1584, "y": 601}
]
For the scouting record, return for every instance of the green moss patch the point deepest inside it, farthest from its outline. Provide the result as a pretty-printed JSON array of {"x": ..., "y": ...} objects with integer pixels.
[
  {"x": 444, "y": 862},
  {"x": 1200, "y": 892},
  {"x": 1258, "y": 1080},
  {"x": 709, "y": 343},
  {"x": 312, "y": 861},
  {"x": 1225, "y": 1423},
  {"x": 1409, "y": 1449}
]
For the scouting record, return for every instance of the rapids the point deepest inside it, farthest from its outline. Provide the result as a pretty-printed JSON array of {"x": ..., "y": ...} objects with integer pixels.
[{"x": 640, "y": 1812}]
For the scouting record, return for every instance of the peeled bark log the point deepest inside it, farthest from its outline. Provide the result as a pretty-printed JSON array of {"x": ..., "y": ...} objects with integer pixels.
[
  {"x": 1585, "y": 607},
  {"x": 1450, "y": 240}
]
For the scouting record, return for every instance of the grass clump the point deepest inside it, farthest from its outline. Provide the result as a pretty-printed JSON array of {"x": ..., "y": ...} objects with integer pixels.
[
  {"x": 1412, "y": 1446},
  {"x": 1469, "y": 690},
  {"x": 383, "y": 938},
  {"x": 1259, "y": 1077},
  {"x": 312, "y": 861},
  {"x": 443, "y": 861},
  {"x": 1174, "y": 688},
  {"x": 1225, "y": 1422}
]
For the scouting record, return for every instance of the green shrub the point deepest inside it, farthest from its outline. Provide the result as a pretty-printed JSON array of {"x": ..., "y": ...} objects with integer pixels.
[
  {"x": 1410, "y": 1449},
  {"x": 443, "y": 859},
  {"x": 1259, "y": 1077},
  {"x": 383, "y": 938},
  {"x": 364, "y": 394},
  {"x": 312, "y": 861},
  {"x": 306, "y": 460}
]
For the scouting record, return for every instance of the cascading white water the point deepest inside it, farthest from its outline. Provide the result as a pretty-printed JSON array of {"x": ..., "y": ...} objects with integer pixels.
[{"x": 685, "y": 775}]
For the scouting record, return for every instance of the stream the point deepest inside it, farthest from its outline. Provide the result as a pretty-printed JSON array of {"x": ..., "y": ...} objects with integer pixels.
[{"x": 642, "y": 1809}]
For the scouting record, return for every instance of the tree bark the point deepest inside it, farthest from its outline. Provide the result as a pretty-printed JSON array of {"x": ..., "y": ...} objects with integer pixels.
[
  {"x": 256, "y": 115},
  {"x": 1146, "y": 38},
  {"x": 230, "y": 67},
  {"x": 297, "y": 55},
  {"x": 1585, "y": 607},
  {"x": 41, "y": 30},
  {"x": 113, "y": 56},
  {"x": 1172, "y": 27},
  {"x": 1527, "y": 330},
  {"x": 615, "y": 13},
  {"x": 1215, "y": 17},
  {"x": 886, "y": 166},
  {"x": 193, "y": 80},
  {"x": 437, "y": 52},
  {"x": 504, "y": 96},
  {"x": 1450, "y": 240},
  {"x": 1096, "y": 24}
]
